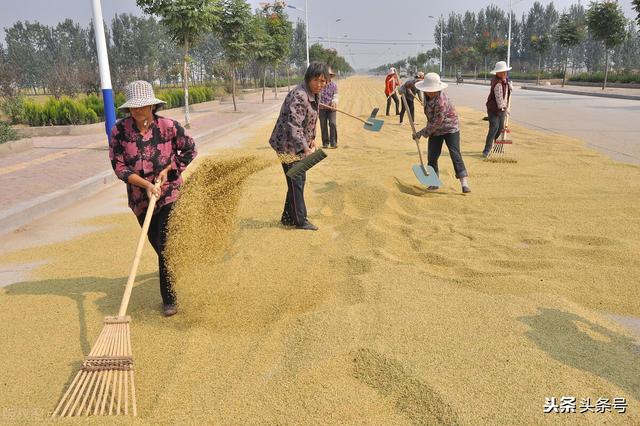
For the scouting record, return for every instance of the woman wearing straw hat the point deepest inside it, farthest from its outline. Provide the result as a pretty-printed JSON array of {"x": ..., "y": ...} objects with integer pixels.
[
  {"x": 144, "y": 149},
  {"x": 442, "y": 127},
  {"x": 391, "y": 83},
  {"x": 497, "y": 104}
]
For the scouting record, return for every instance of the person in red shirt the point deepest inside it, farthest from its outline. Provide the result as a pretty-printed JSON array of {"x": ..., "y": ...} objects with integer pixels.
[{"x": 391, "y": 83}]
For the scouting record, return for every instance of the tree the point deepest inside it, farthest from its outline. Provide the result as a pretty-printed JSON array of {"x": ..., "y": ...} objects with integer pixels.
[
  {"x": 186, "y": 21},
  {"x": 541, "y": 45},
  {"x": 568, "y": 34},
  {"x": 298, "y": 55},
  {"x": 607, "y": 24},
  {"x": 279, "y": 30},
  {"x": 262, "y": 53},
  {"x": 9, "y": 77},
  {"x": 234, "y": 34},
  {"x": 636, "y": 6}
]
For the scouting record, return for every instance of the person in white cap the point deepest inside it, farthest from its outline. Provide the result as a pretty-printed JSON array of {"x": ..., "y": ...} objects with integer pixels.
[
  {"x": 442, "y": 127},
  {"x": 499, "y": 94},
  {"x": 145, "y": 148},
  {"x": 391, "y": 83}
]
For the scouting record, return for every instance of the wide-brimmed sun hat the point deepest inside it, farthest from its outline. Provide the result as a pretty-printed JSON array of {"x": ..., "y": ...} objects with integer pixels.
[
  {"x": 501, "y": 66},
  {"x": 392, "y": 70},
  {"x": 139, "y": 94},
  {"x": 420, "y": 75},
  {"x": 331, "y": 72},
  {"x": 431, "y": 83}
]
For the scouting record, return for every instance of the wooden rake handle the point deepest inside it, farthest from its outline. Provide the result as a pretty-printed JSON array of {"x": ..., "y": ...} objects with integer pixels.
[
  {"x": 136, "y": 260},
  {"x": 346, "y": 113}
]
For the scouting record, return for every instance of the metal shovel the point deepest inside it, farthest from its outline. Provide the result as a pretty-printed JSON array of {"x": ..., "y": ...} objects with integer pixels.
[
  {"x": 425, "y": 174},
  {"x": 372, "y": 124}
]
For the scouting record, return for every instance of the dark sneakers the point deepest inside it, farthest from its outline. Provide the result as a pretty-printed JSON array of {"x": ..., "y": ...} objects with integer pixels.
[
  {"x": 466, "y": 189},
  {"x": 169, "y": 310},
  {"x": 307, "y": 226}
]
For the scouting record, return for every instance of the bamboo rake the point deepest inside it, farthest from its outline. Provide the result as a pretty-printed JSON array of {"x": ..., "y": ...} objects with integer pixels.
[{"x": 105, "y": 384}]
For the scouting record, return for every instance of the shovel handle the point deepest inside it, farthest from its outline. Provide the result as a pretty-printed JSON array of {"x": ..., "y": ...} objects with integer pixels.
[
  {"x": 346, "y": 113},
  {"x": 413, "y": 127},
  {"x": 136, "y": 260}
]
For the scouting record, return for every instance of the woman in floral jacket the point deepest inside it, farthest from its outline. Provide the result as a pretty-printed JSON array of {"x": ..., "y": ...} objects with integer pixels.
[
  {"x": 442, "y": 127},
  {"x": 145, "y": 148}
]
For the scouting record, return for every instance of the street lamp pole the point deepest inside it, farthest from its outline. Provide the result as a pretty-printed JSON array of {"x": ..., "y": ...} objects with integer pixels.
[
  {"x": 306, "y": 25},
  {"x": 509, "y": 41},
  {"x": 441, "y": 47},
  {"x": 103, "y": 65}
]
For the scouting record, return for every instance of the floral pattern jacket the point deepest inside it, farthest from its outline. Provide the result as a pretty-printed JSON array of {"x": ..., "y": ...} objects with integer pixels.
[
  {"x": 441, "y": 116},
  {"x": 295, "y": 128},
  {"x": 165, "y": 143}
]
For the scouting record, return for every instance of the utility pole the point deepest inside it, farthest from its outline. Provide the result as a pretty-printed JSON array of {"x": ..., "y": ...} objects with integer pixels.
[
  {"x": 509, "y": 41},
  {"x": 103, "y": 65}
]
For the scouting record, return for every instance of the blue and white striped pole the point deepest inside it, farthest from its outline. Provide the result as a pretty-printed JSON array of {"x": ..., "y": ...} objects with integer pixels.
[{"x": 103, "y": 64}]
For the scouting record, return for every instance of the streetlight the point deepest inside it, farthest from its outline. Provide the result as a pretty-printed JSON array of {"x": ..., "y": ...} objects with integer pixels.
[
  {"x": 306, "y": 23},
  {"x": 329, "y": 30},
  {"x": 441, "y": 48}
]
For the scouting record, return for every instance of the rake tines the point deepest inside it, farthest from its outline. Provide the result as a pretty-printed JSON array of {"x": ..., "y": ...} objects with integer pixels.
[
  {"x": 105, "y": 383},
  {"x": 498, "y": 153}
]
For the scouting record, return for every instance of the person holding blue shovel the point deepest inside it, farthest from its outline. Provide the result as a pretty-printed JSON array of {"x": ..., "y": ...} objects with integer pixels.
[{"x": 443, "y": 127}]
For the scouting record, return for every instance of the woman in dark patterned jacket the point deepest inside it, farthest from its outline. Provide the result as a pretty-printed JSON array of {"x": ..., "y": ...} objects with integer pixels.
[
  {"x": 145, "y": 148},
  {"x": 293, "y": 138}
]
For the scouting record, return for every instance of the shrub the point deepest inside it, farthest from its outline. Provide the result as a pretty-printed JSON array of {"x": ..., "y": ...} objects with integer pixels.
[
  {"x": 14, "y": 108},
  {"x": 6, "y": 133}
]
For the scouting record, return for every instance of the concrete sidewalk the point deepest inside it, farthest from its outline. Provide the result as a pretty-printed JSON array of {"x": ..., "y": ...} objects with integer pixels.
[
  {"x": 60, "y": 170},
  {"x": 614, "y": 92}
]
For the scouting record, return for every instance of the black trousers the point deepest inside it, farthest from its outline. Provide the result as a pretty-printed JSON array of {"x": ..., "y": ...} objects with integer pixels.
[
  {"x": 328, "y": 128},
  {"x": 393, "y": 96},
  {"x": 157, "y": 235},
  {"x": 411, "y": 109},
  {"x": 453, "y": 143},
  {"x": 496, "y": 125},
  {"x": 295, "y": 210}
]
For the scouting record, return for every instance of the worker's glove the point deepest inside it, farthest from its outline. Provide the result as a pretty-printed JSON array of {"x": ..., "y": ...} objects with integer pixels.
[
  {"x": 417, "y": 135},
  {"x": 510, "y": 85}
]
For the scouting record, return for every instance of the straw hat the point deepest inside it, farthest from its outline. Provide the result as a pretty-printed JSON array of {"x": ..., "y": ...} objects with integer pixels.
[
  {"x": 501, "y": 66},
  {"x": 431, "y": 83},
  {"x": 331, "y": 72},
  {"x": 420, "y": 75},
  {"x": 139, "y": 94}
]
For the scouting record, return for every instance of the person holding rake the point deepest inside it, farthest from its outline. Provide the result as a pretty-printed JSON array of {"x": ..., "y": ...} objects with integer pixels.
[
  {"x": 442, "y": 127},
  {"x": 149, "y": 153},
  {"x": 497, "y": 103}
]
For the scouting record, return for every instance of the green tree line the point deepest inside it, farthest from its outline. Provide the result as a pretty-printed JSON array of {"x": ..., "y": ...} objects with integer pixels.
[
  {"x": 543, "y": 40},
  {"x": 175, "y": 42}
]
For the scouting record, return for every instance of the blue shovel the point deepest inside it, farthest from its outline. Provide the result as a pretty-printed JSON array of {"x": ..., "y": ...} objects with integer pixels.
[
  {"x": 372, "y": 124},
  {"x": 425, "y": 174}
]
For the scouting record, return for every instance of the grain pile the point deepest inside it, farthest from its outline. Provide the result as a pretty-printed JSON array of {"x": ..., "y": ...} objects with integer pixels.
[{"x": 406, "y": 307}]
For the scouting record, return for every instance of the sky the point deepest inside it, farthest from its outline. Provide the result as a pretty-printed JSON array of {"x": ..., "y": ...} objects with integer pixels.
[{"x": 356, "y": 20}]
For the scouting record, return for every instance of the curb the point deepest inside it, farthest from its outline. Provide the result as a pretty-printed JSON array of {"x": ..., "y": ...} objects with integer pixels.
[
  {"x": 26, "y": 212},
  {"x": 14, "y": 147},
  {"x": 578, "y": 92}
]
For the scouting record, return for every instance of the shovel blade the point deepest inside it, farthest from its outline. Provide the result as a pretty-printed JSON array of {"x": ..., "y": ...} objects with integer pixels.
[
  {"x": 430, "y": 178},
  {"x": 373, "y": 124}
]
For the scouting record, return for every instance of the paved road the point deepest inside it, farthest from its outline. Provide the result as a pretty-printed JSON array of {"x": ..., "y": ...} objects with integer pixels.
[{"x": 610, "y": 125}]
